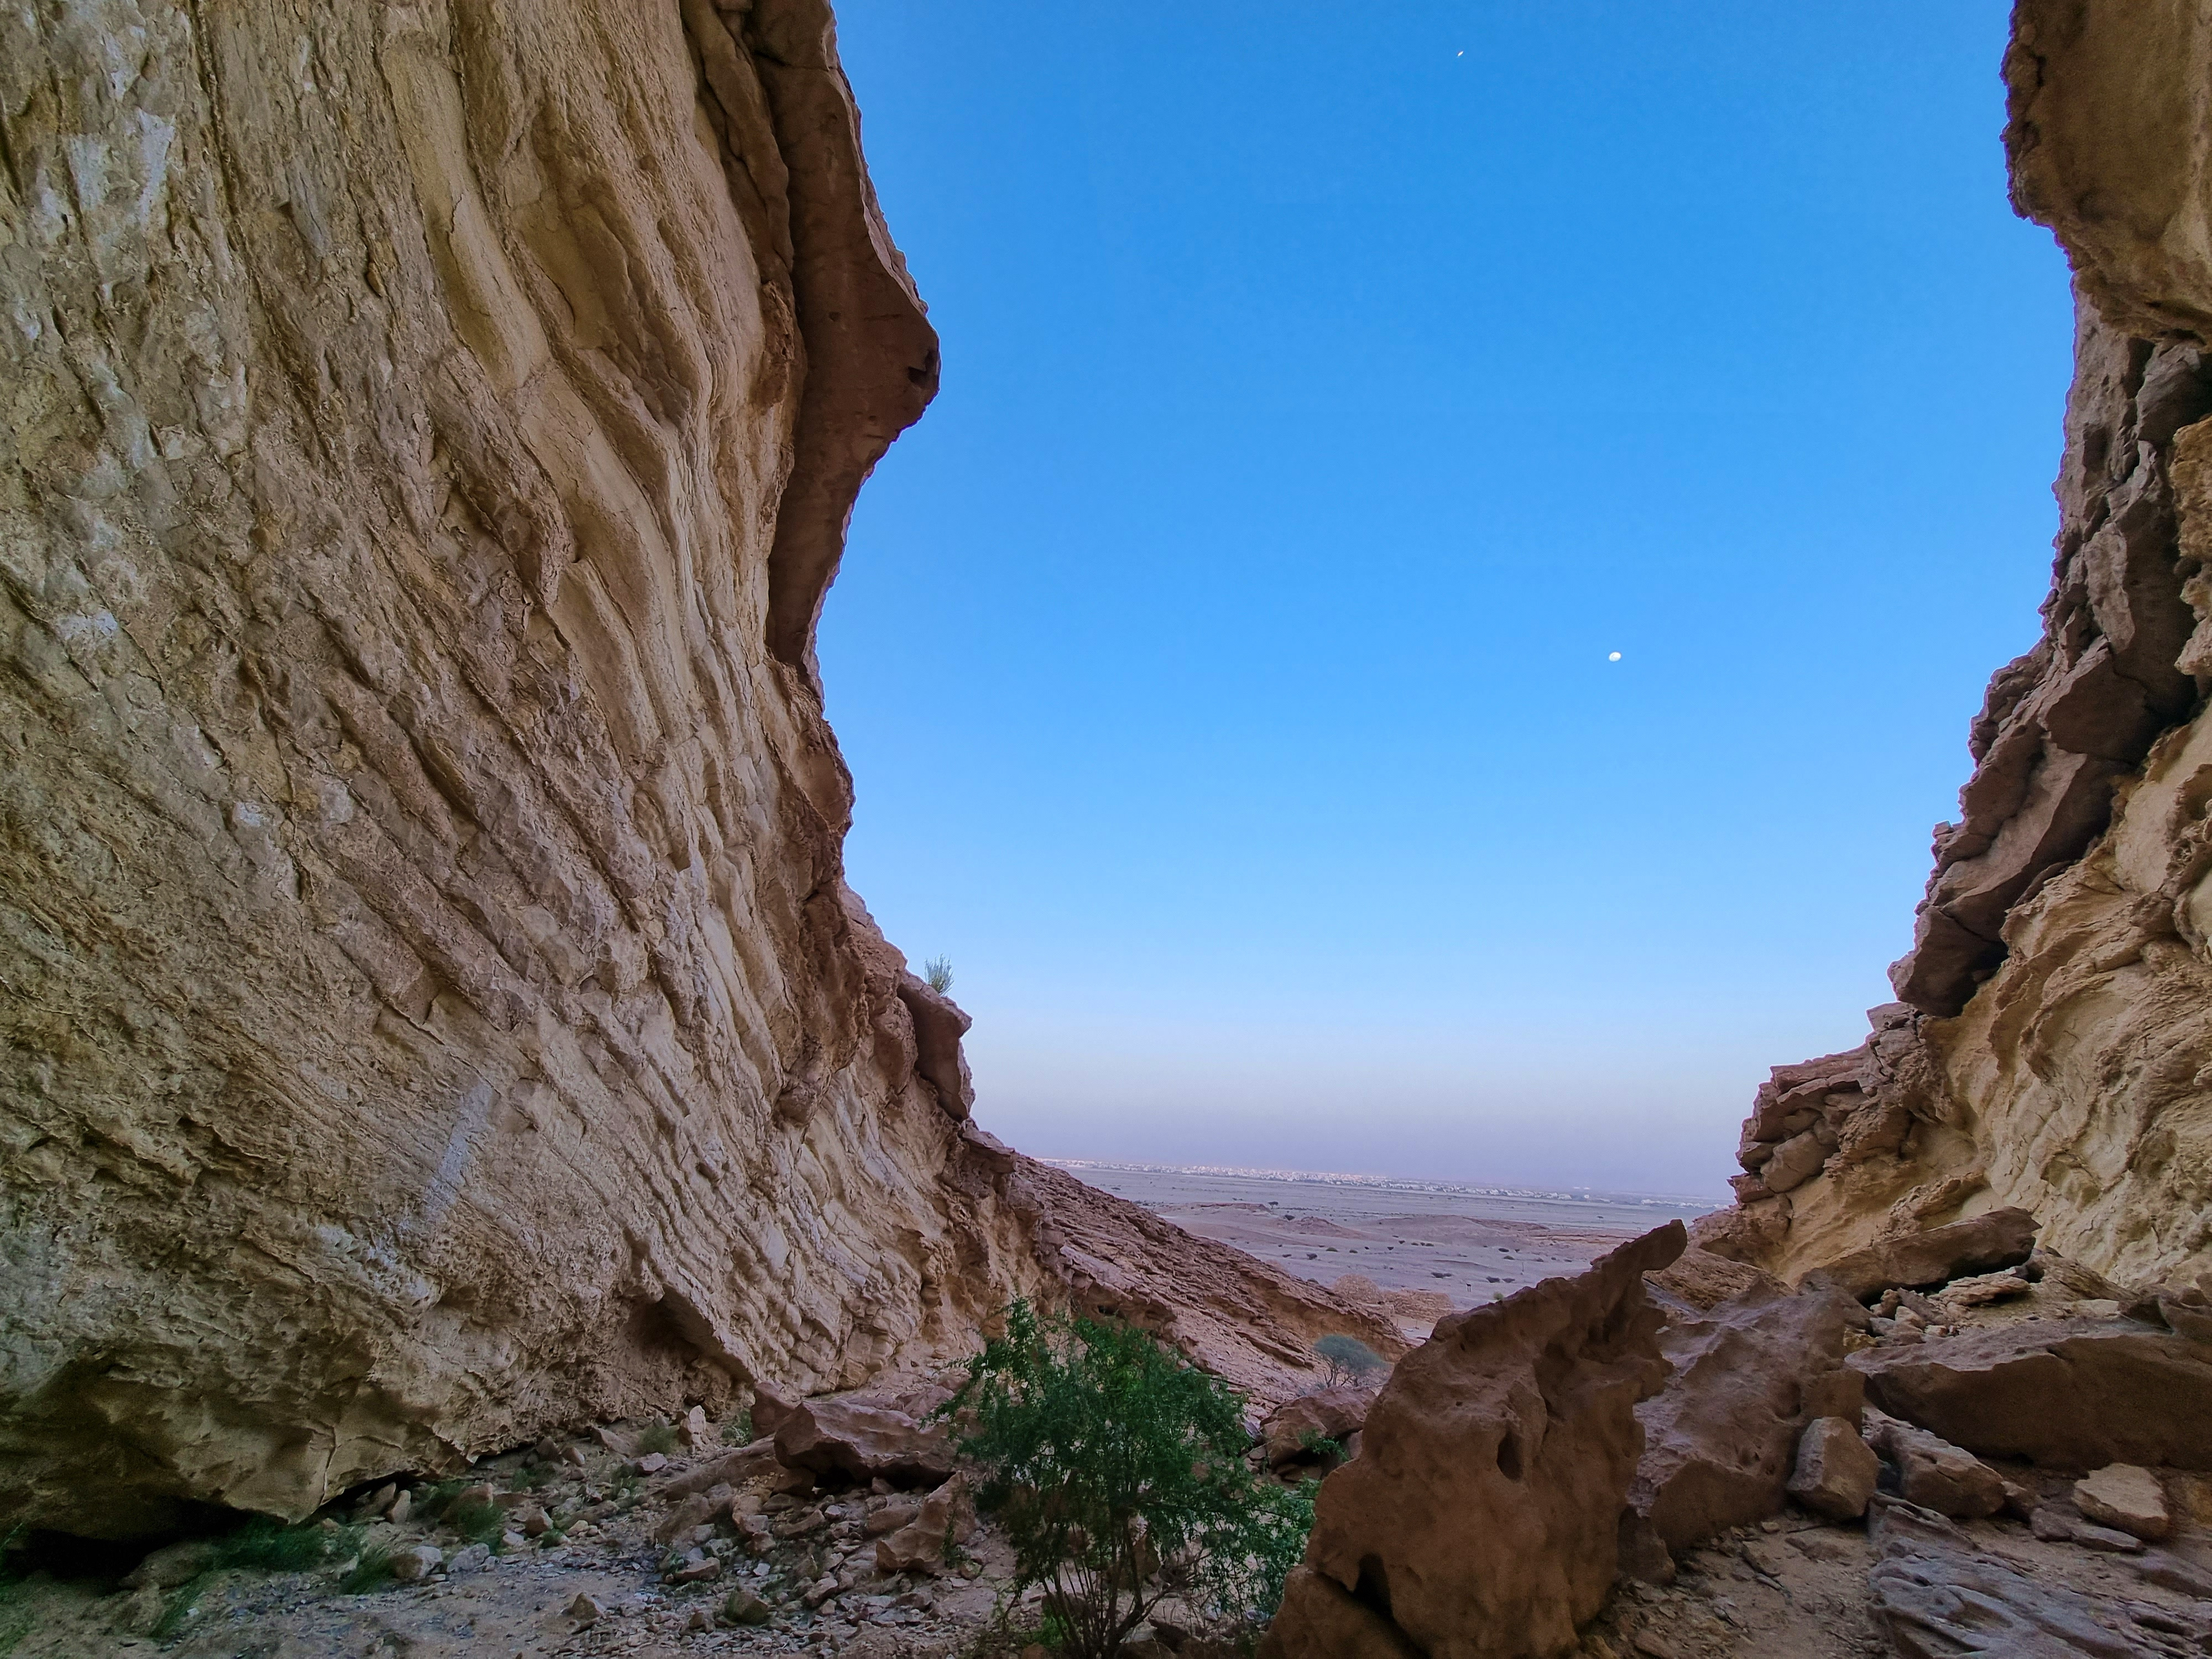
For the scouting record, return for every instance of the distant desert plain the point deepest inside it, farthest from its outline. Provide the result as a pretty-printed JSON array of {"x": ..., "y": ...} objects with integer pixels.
[{"x": 1471, "y": 1243}]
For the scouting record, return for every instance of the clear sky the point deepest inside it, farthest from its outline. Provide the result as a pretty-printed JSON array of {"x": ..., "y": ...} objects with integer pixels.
[{"x": 1224, "y": 661}]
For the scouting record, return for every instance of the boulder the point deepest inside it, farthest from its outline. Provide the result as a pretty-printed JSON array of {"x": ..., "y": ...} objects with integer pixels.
[
  {"x": 1702, "y": 1280},
  {"x": 859, "y": 1442},
  {"x": 947, "y": 1517},
  {"x": 417, "y": 1562},
  {"x": 1721, "y": 1439},
  {"x": 1932, "y": 1472},
  {"x": 1331, "y": 1415},
  {"x": 1982, "y": 1244},
  {"x": 2128, "y": 1498},
  {"x": 171, "y": 1565},
  {"x": 1836, "y": 1471},
  {"x": 730, "y": 1468},
  {"x": 2062, "y": 1523},
  {"x": 1481, "y": 1520},
  {"x": 2064, "y": 1393}
]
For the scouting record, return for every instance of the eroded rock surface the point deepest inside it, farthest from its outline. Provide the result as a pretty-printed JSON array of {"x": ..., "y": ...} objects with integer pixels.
[
  {"x": 2054, "y": 1028},
  {"x": 1481, "y": 1515},
  {"x": 433, "y": 1009},
  {"x": 1720, "y": 1438}
]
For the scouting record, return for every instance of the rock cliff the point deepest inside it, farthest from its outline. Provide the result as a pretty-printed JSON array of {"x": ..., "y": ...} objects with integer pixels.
[
  {"x": 433, "y": 1008},
  {"x": 2052, "y": 1048}
]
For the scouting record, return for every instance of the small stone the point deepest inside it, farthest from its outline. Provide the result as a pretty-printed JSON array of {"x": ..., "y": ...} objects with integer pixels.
[
  {"x": 820, "y": 1591},
  {"x": 1836, "y": 1471},
  {"x": 1650, "y": 1643},
  {"x": 475, "y": 1558},
  {"x": 698, "y": 1618},
  {"x": 744, "y": 1607},
  {"x": 573, "y": 1455},
  {"x": 379, "y": 1501},
  {"x": 172, "y": 1566},
  {"x": 415, "y": 1562},
  {"x": 401, "y": 1507},
  {"x": 699, "y": 1572},
  {"x": 585, "y": 1610},
  {"x": 652, "y": 1463},
  {"x": 512, "y": 1540},
  {"x": 534, "y": 1521},
  {"x": 1933, "y": 1473},
  {"x": 2128, "y": 1498}
]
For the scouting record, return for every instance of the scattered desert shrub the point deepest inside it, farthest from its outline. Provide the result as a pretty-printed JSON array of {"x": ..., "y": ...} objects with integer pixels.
[
  {"x": 1347, "y": 1360},
  {"x": 739, "y": 1431},
  {"x": 938, "y": 971},
  {"x": 1117, "y": 1471},
  {"x": 657, "y": 1437}
]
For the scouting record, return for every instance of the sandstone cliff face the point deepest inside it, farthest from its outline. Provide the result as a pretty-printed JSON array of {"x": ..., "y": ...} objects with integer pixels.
[
  {"x": 2053, "y": 1047},
  {"x": 433, "y": 1008}
]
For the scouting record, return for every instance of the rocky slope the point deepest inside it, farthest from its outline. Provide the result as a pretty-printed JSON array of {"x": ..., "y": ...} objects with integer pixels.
[
  {"x": 2052, "y": 1048},
  {"x": 433, "y": 1008}
]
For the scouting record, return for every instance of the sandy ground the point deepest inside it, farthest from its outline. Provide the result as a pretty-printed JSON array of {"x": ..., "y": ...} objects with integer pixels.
[{"x": 1471, "y": 1243}]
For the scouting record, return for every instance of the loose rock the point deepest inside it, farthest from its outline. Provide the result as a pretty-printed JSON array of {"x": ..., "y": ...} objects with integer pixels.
[
  {"x": 2126, "y": 1497},
  {"x": 1836, "y": 1471}
]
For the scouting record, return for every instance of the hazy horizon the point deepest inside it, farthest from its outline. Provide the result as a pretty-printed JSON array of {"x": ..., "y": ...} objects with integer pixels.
[{"x": 1225, "y": 662}]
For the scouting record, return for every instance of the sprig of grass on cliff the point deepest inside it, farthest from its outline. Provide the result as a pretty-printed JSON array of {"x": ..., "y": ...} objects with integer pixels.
[
  {"x": 938, "y": 972},
  {"x": 657, "y": 1437},
  {"x": 477, "y": 1521}
]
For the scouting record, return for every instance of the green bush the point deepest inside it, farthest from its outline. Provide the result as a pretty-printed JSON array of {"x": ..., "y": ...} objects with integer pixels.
[
  {"x": 739, "y": 1431},
  {"x": 657, "y": 1437},
  {"x": 938, "y": 971},
  {"x": 1347, "y": 1360},
  {"x": 372, "y": 1572},
  {"x": 1117, "y": 1470}
]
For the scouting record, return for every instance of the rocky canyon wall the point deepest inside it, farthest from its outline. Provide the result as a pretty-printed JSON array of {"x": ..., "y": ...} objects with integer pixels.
[
  {"x": 433, "y": 1008},
  {"x": 2052, "y": 1048}
]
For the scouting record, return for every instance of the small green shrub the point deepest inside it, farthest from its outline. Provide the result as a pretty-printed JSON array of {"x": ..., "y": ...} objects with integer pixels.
[
  {"x": 938, "y": 971},
  {"x": 372, "y": 1572},
  {"x": 1117, "y": 1470},
  {"x": 657, "y": 1437},
  {"x": 477, "y": 1521},
  {"x": 1347, "y": 1360},
  {"x": 739, "y": 1431},
  {"x": 261, "y": 1545}
]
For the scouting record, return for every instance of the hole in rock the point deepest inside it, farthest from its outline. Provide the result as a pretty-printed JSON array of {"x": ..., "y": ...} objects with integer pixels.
[
  {"x": 1508, "y": 1456},
  {"x": 1373, "y": 1589}
]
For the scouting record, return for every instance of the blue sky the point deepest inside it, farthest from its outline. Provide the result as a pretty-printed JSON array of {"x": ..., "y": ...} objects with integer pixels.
[{"x": 1222, "y": 660}]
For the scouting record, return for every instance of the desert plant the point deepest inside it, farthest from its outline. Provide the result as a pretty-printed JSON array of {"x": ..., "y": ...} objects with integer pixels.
[
  {"x": 261, "y": 1545},
  {"x": 1347, "y": 1360},
  {"x": 739, "y": 1431},
  {"x": 657, "y": 1437},
  {"x": 938, "y": 971},
  {"x": 1117, "y": 1470},
  {"x": 372, "y": 1571}
]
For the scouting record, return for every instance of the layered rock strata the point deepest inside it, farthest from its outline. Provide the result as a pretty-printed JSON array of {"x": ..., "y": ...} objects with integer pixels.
[
  {"x": 2052, "y": 1048},
  {"x": 433, "y": 1009}
]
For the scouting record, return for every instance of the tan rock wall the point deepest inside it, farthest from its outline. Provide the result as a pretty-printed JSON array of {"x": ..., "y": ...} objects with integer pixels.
[
  {"x": 2053, "y": 1048},
  {"x": 433, "y": 1009}
]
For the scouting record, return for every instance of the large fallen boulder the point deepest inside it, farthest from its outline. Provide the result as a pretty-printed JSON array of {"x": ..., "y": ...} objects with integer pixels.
[
  {"x": 1922, "y": 1260},
  {"x": 1836, "y": 1471},
  {"x": 1480, "y": 1520},
  {"x": 1721, "y": 1439},
  {"x": 946, "y": 1517},
  {"x": 844, "y": 1437},
  {"x": 2065, "y": 1394}
]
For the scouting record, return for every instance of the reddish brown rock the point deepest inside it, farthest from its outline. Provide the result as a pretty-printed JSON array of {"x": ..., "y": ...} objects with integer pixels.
[
  {"x": 1332, "y": 1414},
  {"x": 946, "y": 1517},
  {"x": 1935, "y": 1256},
  {"x": 1481, "y": 1520},
  {"x": 2074, "y": 1393},
  {"x": 1836, "y": 1471},
  {"x": 861, "y": 1443},
  {"x": 1721, "y": 1439},
  {"x": 1933, "y": 1474}
]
